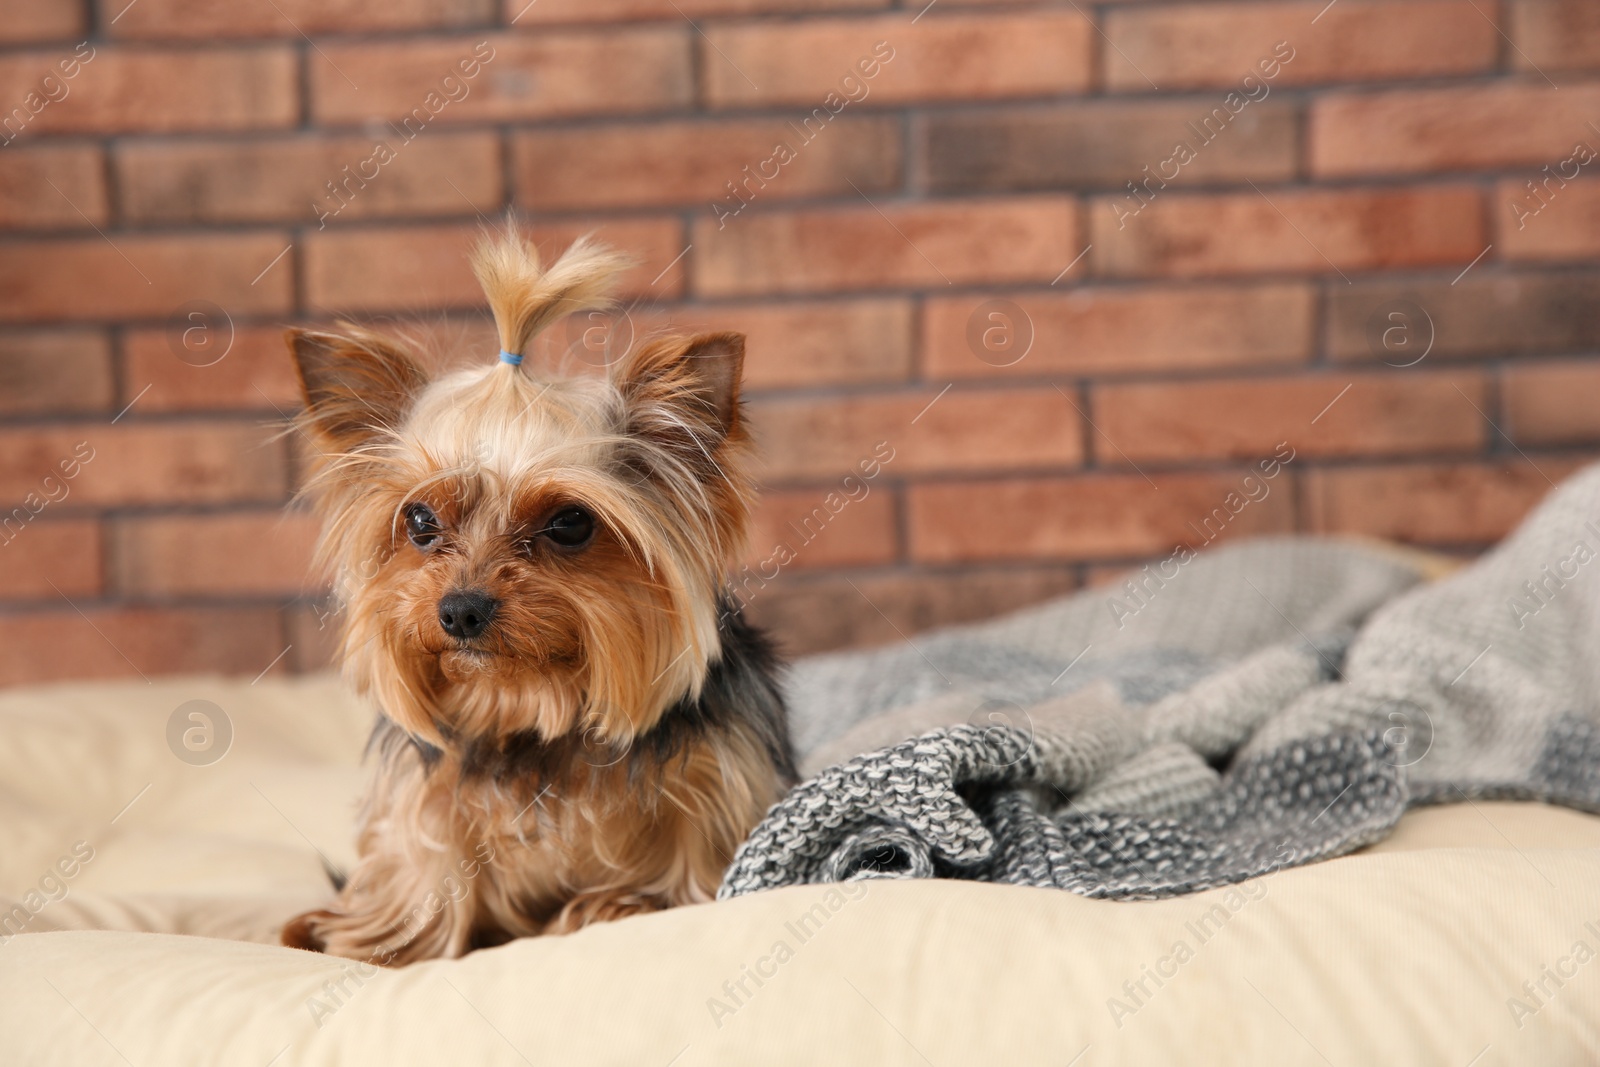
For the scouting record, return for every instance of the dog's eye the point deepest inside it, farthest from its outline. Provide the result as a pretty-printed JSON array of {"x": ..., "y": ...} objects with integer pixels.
[
  {"x": 570, "y": 527},
  {"x": 422, "y": 525}
]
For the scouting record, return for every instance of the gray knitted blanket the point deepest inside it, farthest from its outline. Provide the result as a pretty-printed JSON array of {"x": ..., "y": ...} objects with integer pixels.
[{"x": 1215, "y": 718}]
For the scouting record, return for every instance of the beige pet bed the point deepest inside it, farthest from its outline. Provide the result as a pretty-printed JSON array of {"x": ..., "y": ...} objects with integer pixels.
[{"x": 147, "y": 890}]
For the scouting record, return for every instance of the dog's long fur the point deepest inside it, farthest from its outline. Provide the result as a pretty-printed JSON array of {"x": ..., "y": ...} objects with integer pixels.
[{"x": 605, "y": 744}]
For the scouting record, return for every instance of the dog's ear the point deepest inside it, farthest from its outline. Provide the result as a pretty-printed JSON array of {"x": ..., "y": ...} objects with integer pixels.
[
  {"x": 356, "y": 385},
  {"x": 675, "y": 387}
]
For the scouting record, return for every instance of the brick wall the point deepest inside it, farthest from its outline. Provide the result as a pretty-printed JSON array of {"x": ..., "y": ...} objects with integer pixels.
[{"x": 1083, "y": 266}]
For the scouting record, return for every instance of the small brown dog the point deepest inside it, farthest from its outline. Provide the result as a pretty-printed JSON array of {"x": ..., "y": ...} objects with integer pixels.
[{"x": 575, "y": 722}]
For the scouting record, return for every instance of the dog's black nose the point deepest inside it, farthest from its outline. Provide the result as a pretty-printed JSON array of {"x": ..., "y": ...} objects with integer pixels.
[{"x": 466, "y": 615}]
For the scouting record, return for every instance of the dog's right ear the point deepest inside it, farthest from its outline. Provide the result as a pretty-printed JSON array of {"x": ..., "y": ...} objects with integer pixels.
[{"x": 356, "y": 385}]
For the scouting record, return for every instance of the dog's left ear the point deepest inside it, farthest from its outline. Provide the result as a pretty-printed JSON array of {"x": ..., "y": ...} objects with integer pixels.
[
  {"x": 356, "y": 384},
  {"x": 673, "y": 386}
]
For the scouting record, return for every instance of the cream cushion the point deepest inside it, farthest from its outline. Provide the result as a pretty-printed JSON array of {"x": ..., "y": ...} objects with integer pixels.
[{"x": 158, "y": 948}]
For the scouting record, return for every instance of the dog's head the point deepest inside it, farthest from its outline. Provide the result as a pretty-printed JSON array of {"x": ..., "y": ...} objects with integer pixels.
[{"x": 516, "y": 551}]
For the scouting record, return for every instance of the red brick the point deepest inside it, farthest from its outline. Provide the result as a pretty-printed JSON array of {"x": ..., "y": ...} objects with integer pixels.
[
  {"x": 44, "y": 559},
  {"x": 287, "y": 178},
  {"x": 982, "y": 241},
  {"x": 1099, "y": 517},
  {"x": 63, "y": 645},
  {"x": 963, "y": 430},
  {"x": 130, "y": 463},
  {"x": 937, "y": 57},
  {"x": 1316, "y": 231},
  {"x": 1381, "y": 414},
  {"x": 1481, "y": 315},
  {"x": 47, "y": 372},
  {"x": 211, "y": 19},
  {"x": 426, "y": 266},
  {"x": 41, "y": 20},
  {"x": 1478, "y": 127},
  {"x": 1099, "y": 144},
  {"x": 826, "y": 612},
  {"x": 694, "y": 163},
  {"x": 143, "y": 276},
  {"x": 28, "y": 201},
  {"x": 253, "y": 374},
  {"x": 827, "y": 526},
  {"x": 1555, "y": 34},
  {"x": 524, "y": 14},
  {"x": 823, "y": 342},
  {"x": 1119, "y": 331},
  {"x": 314, "y": 634},
  {"x": 200, "y": 555},
  {"x": 137, "y": 89},
  {"x": 527, "y": 76},
  {"x": 1218, "y": 44},
  {"x": 1552, "y": 403},
  {"x": 1433, "y": 503},
  {"x": 1558, "y": 222}
]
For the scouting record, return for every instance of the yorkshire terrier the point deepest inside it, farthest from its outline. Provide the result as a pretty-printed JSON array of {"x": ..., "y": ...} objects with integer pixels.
[{"x": 576, "y": 724}]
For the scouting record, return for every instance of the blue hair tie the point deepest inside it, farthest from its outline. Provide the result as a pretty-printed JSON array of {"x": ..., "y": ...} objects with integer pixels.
[{"x": 510, "y": 357}]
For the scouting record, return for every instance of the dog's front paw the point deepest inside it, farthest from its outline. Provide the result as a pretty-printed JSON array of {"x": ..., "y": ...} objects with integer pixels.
[
  {"x": 602, "y": 906},
  {"x": 362, "y": 937},
  {"x": 303, "y": 931}
]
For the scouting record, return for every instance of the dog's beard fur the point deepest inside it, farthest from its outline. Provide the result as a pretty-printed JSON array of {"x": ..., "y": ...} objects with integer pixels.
[{"x": 568, "y": 764}]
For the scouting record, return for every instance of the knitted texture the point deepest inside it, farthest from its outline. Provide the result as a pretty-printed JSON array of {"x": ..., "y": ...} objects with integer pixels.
[{"x": 1257, "y": 707}]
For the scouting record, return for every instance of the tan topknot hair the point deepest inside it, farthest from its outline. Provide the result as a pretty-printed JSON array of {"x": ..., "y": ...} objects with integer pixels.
[{"x": 525, "y": 298}]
